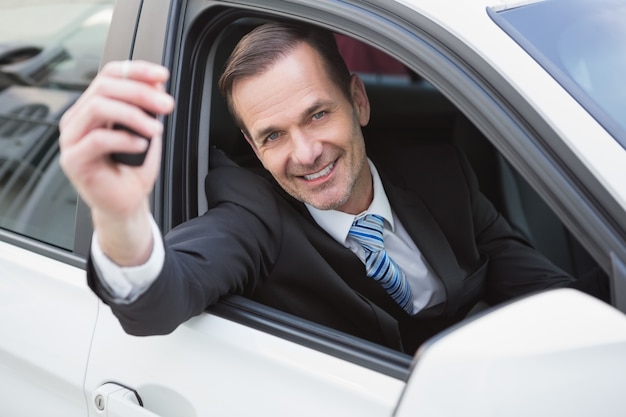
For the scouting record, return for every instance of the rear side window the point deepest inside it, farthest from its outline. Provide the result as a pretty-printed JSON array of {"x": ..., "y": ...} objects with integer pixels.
[{"x": 49, "y": 52}]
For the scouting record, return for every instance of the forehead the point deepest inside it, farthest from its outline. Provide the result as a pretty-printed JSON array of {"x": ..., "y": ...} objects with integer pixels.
[{"x": 294, "y": 83}]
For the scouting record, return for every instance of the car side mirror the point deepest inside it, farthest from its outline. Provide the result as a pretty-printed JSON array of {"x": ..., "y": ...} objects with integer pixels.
[{"x": 557, "y": 353}]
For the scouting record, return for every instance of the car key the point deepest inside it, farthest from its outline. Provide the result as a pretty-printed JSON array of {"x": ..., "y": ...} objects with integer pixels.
[{"x": 132, "y": 159}]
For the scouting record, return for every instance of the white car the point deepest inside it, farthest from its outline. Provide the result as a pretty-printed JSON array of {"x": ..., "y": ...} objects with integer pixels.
[{"x": 532, "y": 91}]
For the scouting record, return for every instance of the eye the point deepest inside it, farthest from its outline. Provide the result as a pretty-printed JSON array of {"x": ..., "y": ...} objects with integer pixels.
[
  {"x": 319, "y": 115},
  {"x": 272, "y": 137}
]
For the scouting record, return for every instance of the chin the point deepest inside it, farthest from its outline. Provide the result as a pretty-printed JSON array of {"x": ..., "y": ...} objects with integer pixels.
[{"x": 328, "y": 204}]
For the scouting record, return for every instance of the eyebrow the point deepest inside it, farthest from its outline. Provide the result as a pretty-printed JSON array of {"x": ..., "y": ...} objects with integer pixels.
[{"x": 312, "y": 109}]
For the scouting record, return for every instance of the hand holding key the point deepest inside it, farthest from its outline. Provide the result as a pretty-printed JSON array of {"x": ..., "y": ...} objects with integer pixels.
[{"x": 128, "y": 94}]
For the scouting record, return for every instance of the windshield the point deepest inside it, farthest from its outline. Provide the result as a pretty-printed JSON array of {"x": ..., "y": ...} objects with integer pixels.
[{"x": 582, "y": 43}]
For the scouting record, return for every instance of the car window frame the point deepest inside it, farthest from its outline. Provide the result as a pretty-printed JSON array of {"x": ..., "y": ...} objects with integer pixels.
[{"x": 120, "y": 44}]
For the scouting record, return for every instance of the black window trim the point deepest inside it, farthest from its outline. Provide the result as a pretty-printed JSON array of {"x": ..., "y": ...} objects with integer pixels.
[
  {"x": 321, "y": 338},
  {"x": 41, "y": 248}
]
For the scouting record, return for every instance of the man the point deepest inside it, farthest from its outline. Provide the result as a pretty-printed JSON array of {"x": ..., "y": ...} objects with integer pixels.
[{"x": 392, "y": 249}]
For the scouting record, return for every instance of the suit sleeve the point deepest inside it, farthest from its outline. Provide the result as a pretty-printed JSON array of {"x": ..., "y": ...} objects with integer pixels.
[
  {"x": 515, "y": 267},
  {"x": 228, "y": 250}
]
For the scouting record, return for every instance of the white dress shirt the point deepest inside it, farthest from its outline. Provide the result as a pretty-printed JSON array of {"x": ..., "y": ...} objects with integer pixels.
[
  {"x": 125, "y": 284},
  {"x": 426, "y": 288},
  {"x": 128, "y": 283}
]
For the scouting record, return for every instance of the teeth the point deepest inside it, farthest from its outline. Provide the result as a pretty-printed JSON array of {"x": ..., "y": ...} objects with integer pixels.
[{"x": 320, "y": 174}]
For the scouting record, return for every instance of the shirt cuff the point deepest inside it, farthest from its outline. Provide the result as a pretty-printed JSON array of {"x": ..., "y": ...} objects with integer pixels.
[{"x": 126, "y": 284}]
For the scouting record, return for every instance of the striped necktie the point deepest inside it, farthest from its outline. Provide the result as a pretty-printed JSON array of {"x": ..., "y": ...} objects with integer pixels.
[{"x": 368, "y": 232}]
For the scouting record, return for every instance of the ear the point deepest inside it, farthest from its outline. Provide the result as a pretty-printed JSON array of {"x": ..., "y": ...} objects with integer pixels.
[
  {"x": 360, "y": 102},
  {"x": 251, "y": 143}
]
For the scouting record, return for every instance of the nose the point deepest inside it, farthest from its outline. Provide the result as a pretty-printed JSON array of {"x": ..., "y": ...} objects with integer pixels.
[{"x": 305, "y": 148}]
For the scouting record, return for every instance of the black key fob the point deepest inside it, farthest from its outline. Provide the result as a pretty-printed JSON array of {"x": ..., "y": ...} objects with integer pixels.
[{"x": 132, "y": 159}]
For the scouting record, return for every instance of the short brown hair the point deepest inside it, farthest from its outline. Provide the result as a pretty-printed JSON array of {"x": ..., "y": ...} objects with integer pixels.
[{"x": 263, "y": 46}]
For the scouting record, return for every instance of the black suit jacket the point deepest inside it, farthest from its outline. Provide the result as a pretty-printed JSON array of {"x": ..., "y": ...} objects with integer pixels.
[{"x": 257, "y": 241}]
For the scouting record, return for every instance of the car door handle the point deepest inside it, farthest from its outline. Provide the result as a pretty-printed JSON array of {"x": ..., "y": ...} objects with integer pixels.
[{"x": 115, "y": 400}]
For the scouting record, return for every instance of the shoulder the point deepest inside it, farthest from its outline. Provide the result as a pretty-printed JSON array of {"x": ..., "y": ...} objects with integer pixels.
[
  {"x": 422, "y": 163},
  {"x": 227, "y": 182}
]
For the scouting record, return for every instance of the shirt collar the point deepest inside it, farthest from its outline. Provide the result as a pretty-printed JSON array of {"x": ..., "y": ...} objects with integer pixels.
[{"x": 337, "y": 223}]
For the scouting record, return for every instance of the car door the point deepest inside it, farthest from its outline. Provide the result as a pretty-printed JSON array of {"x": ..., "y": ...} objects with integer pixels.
[{"x": 49, "y": 51}]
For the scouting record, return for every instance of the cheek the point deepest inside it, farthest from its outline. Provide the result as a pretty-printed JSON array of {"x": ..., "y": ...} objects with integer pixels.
[
  {"x": 273, "y": 160},
  {"x": 349, "y": 128}
]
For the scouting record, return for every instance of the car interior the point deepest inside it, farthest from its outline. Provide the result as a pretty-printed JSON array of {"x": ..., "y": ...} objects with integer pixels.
[{"x": 407, "y": 108}]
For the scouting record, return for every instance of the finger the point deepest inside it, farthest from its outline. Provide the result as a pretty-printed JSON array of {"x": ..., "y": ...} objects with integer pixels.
[
  {"x": 138, "y": 70},
  {"x": 107, "y": 102},
  {"x": 97, "y": 146},
  {"x": 103, "y": 113},
  {"x": 152, "y": 162},
  {"x": 151, "y": 98}
]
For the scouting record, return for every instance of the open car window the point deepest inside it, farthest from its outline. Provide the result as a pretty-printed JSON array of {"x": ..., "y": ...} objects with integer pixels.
[{"x": 405, "y": 108}]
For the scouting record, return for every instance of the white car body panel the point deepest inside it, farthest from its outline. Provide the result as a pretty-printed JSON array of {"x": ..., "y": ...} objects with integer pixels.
[
  {"x": 211, "y": 366},
  {"x": 552, "y": 352},
  {"x": 43, "y": 357}
]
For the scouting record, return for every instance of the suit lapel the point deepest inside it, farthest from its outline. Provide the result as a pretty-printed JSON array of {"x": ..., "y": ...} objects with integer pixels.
[{"x": 426, "y": 233}]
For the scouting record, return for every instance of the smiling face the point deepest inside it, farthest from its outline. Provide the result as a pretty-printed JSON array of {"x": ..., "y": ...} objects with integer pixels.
[{"x": 306, "y": 132}]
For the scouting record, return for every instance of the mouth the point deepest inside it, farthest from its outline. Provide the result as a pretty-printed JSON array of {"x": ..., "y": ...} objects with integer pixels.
[{"x": 320, "y": 174}]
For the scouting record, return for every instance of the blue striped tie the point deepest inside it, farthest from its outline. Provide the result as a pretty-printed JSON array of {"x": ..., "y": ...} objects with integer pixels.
[{"x": 368, "y": 232}]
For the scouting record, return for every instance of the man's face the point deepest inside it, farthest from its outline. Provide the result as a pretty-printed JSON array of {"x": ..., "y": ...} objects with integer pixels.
[{"x": 307, "y": 133}]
